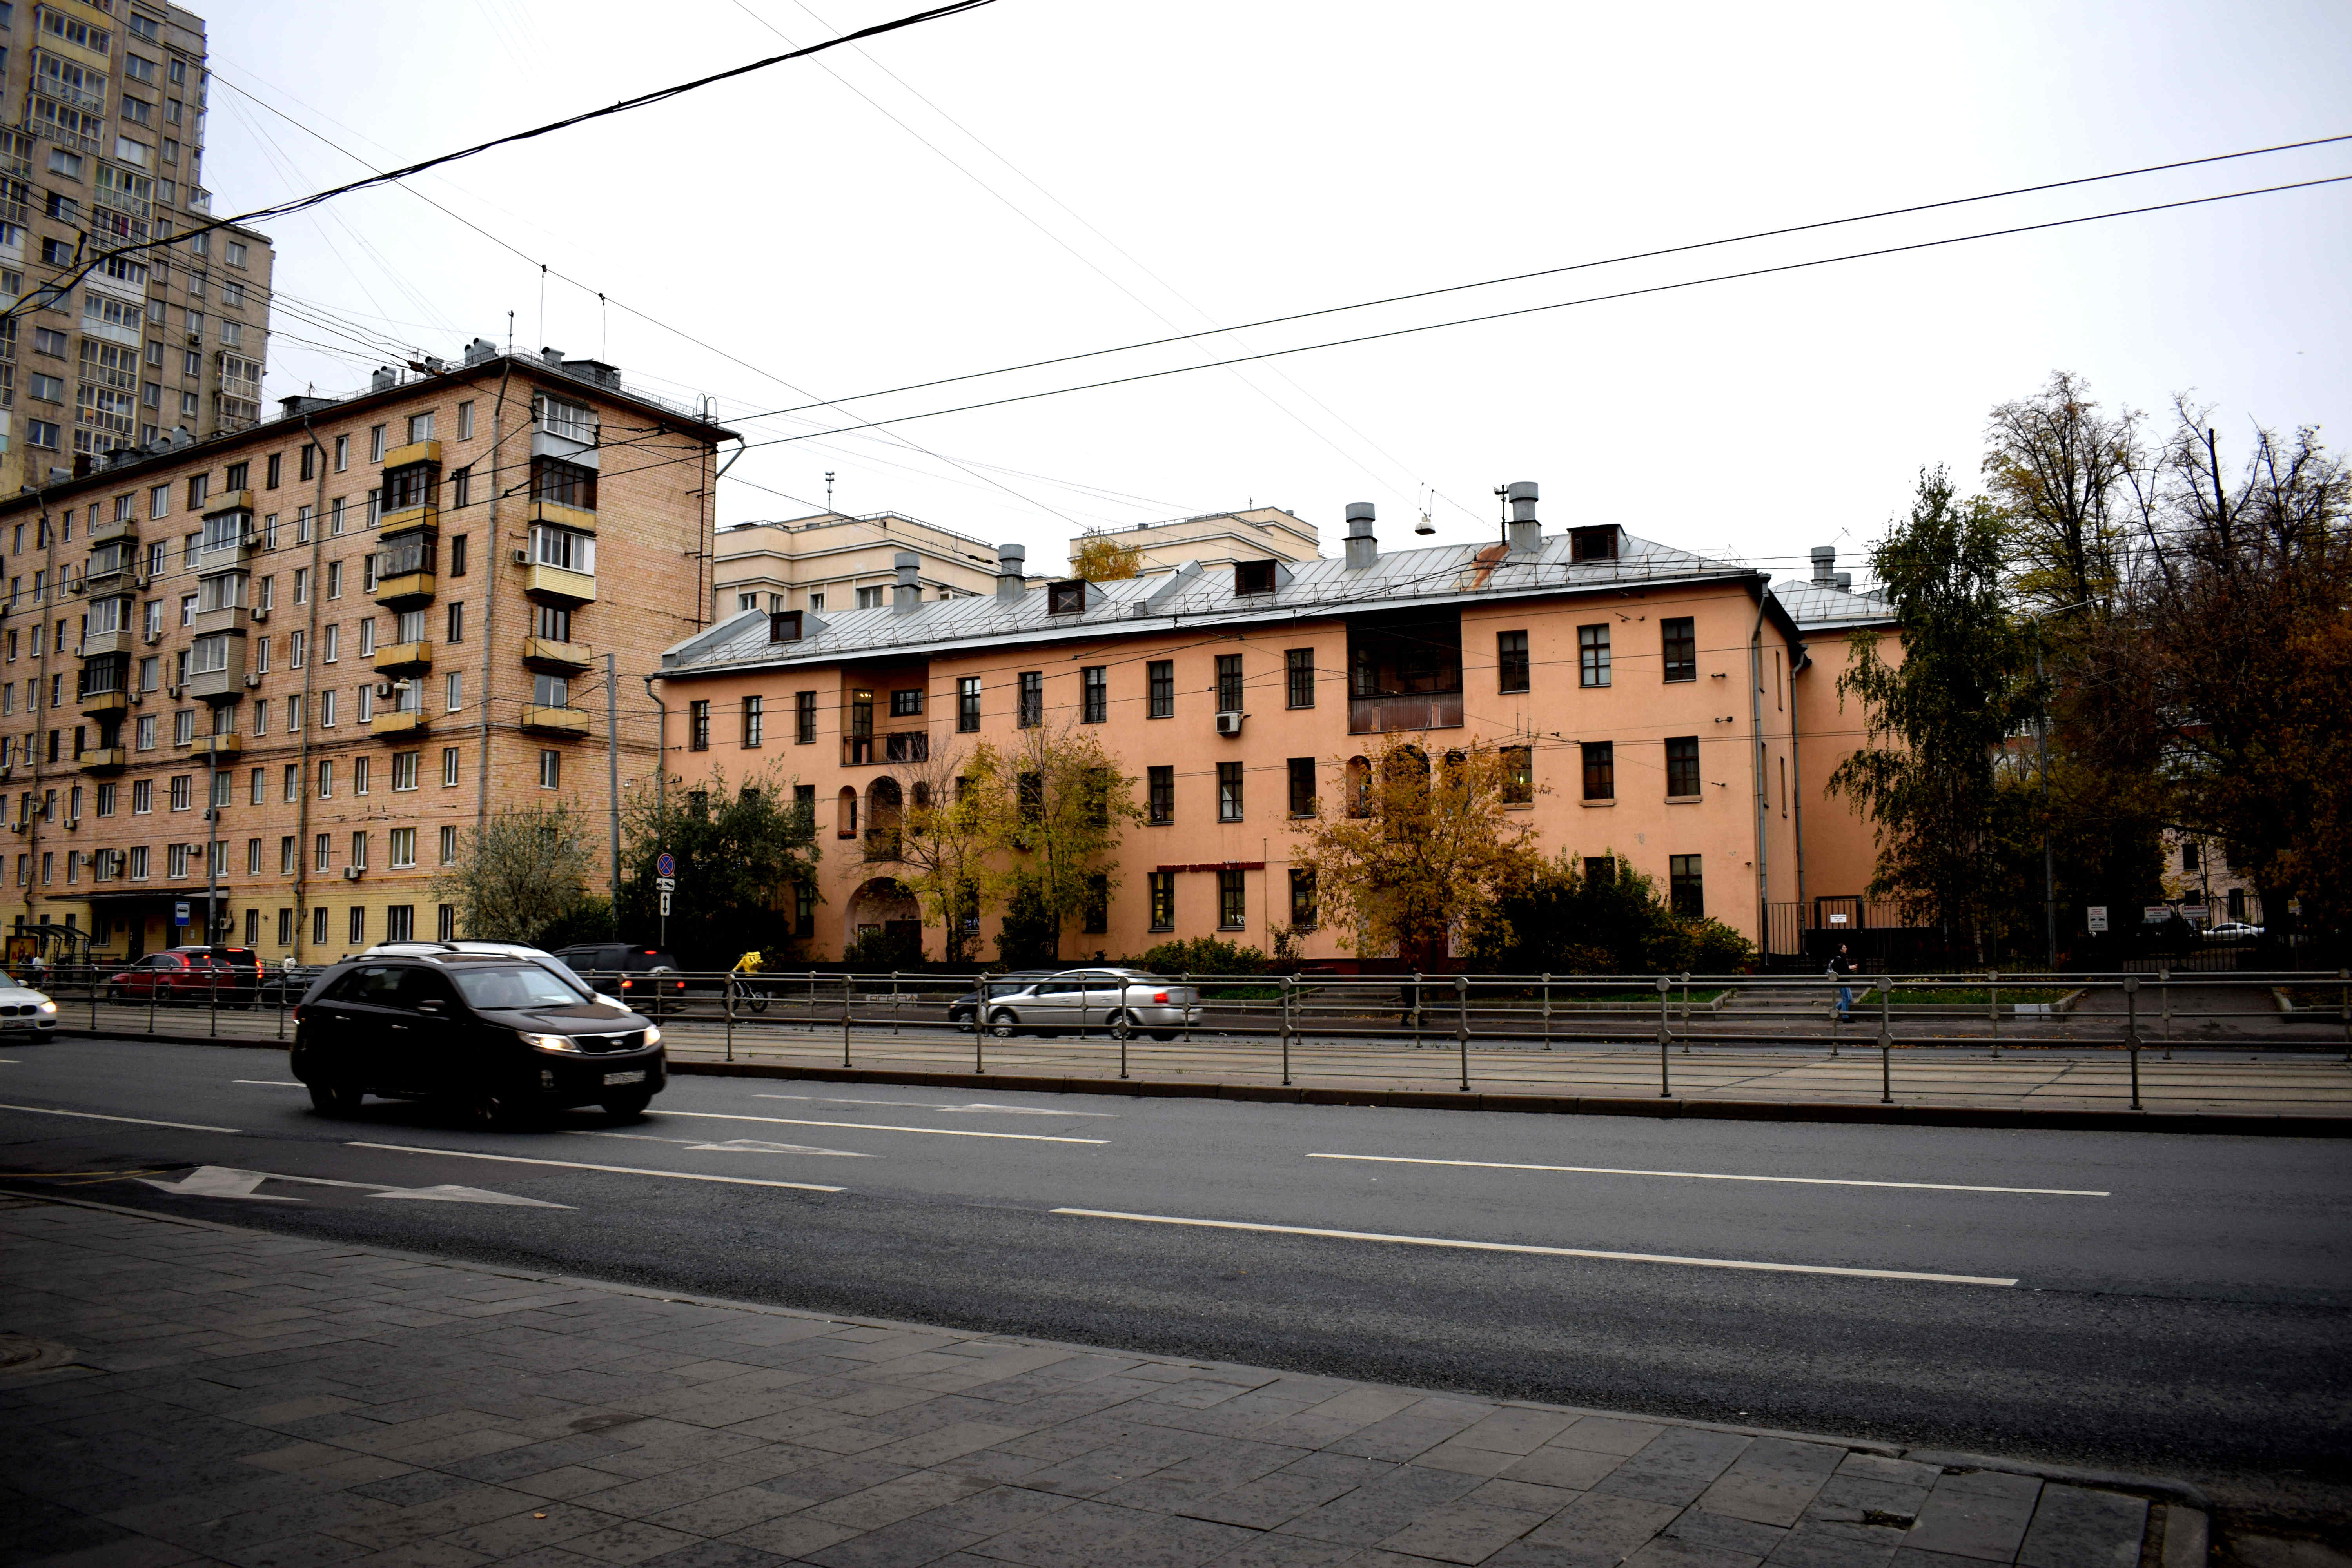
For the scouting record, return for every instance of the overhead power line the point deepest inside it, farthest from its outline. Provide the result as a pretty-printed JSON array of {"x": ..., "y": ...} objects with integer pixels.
[{"x": 640, "y": 100}]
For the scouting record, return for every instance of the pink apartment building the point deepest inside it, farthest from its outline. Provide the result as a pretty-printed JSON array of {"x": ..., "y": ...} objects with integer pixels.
[{"x": 1674, "y": 711}]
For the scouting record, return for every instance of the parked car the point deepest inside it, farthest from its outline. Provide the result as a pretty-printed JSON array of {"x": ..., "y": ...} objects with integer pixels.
[
  {"x": 502, "y": 1035},
  {"x": 2232, "y": 931},
  {"x": 288, "y": 984},
  {"x": 1136, "y": 999},
  {"x": 23, "y": 1008},
  {"x": 226, "y": 974},
  {"x": 637, "y": 973},
  {"x": 1011, "y": 983}
]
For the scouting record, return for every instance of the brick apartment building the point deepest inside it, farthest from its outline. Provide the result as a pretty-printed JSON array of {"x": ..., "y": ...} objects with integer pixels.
[
  {"x": 355, "y": 631},
  {"x": 1671, "y": 710}
]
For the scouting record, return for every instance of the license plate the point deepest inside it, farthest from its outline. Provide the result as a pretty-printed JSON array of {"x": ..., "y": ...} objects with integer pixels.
[{"x": 636, "y": 1075}]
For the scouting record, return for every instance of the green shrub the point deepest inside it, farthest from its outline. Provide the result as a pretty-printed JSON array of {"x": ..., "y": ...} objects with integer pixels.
[{"x": 1202, "y": 955}]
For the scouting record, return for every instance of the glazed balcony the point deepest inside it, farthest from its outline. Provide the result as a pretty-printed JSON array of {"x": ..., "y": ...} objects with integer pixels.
[{"x": 99, "y": 644}]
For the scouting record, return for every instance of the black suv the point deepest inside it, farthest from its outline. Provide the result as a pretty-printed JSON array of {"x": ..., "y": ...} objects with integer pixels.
[
  {"x": 504, "y": 1036},
  {"x": 637, "y": 972}
]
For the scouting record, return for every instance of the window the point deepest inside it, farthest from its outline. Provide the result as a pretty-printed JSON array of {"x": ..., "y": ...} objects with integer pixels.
[
  {"x": 1599, "y": 770},
  {"x": 754, "y": 719},
  {"x": 1686, "y": 889},
  {"x": 453, "y": 696},
  {"x": 565, "y": 549},
  {"x": 106, "y": 795},
  {"x": 318, "y": 925},
  {"x": 253, "y": 857},
  {"x": 804, "y": 718},
  {"x": 1065, "y": 598},
  {"x": 1229, "y": 792},
  {"x": 375, "y": 443},
  {"x": 1682, "y": 767},
  {"x": 289, "y": 857},
  {"x": 403, "y": 768},
  {"x": 358, "y": 925},
  {"x": 550, "y": 770},
  {"x": 334, "y": 580},
  {"x": 138, "y": 863},
  {"x": 1253, "y": 576},
  {"x": 698, "y": 725},
  {"x": 869, "y": 598},
  {"x": 182, "y": 795},
  {"x": 455, "y": 631},
  {"x": 550, "y": 690},
  {"x": 563, "y": 484},
  {"x": 286, "y": 928},
  {"x": 1511, "y": 661},
  {"x": 420, "y": 427},
  {"x": 402, "y": 843},
  {"x": 1233, "y": 900},
  {"x": 1097, "y": 912},
  {"x": 1679, "y": 637},
  {"x": 142, "y": 797},
  {"x": 968, "y": 704},
  {"x": 1519, "y": 775},
  {"x": 1160, "y": 685},
  {"x": 1094, "y": 694},
  {"x": 1592, "y": 656},
  {"x": 1302, "y": 901},
  {"x": 2189, "y": 856},
  {"x": 1160, "y": 795},
  {"x": 327, "y": 778},
  {"x": 1302, "y": 787},
  {"x": 448, "y": 767},
  {"x": 1229, "y": 683},
  {"x": 1299, "y": 667},
  {"x": 465, "y": 421},
  {"x": 554, "y": 625},
  {"x": 907, "y": 704},
  {"x": 1031, "y": 712},
  {"x": 1163, "y": 885},
  {"x": 343, "y": 457},
  {"x": 448, "y": 846}
]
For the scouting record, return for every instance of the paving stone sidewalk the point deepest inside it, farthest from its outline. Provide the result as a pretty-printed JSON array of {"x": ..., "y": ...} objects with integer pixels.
[{"x": 185, "y": 1394}]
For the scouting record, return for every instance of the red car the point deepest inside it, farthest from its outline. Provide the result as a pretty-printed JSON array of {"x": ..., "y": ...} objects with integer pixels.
[{"x": 230, "y": 974}]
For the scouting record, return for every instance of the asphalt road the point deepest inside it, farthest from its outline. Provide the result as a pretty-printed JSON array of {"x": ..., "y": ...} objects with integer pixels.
[{"x": 2173, "y": 1305}]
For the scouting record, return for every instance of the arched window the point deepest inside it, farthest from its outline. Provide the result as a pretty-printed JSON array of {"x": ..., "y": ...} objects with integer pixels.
[
  {"x": 883, "y": 801},
  {"x": 1360, "y": 787},
  {"x": 845, "y": 813}
]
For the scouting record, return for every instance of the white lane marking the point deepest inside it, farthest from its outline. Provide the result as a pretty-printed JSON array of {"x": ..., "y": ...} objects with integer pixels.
[
  {"x": 872, "y": 1127},
  {"x": 11, "y": 1061},
  {"x": 227, "y": 1181},
  {"x": 269, "y": 1082},
  {"x": 732, "y": 1146},
  {"x": 919, "y": 1105},
  {"x": 1718, "y": 1177},
  {"x": 220, "y": 1181},
  {"x": 134, "y": 1121},
  {"x": 1544, "y": 1251},
  {"x": 614, "y": 1170}
]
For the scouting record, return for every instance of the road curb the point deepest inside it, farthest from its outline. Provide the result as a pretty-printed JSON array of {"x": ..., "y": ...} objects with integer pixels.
[
  {"x": 1564, "y": 1105},
  {"x": 2208, "y": 1123}
]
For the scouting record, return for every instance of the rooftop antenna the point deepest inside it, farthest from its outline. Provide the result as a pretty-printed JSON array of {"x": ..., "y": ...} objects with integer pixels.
[
  {"x": 828, "y": 491},
  {"x": 1424, "y": 525}
]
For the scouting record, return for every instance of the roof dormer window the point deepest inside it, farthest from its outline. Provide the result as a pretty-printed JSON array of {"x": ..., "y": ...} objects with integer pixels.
[
  {"x": 783, "y": 626},
  {"x": 1065, "y": 598},
  {"x": 1252, "y": 577}
]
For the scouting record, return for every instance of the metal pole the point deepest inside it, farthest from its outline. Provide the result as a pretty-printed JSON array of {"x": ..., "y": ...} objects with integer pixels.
[
  {"x": 1285, "y": 1037},
  {"x": 845, "y": 1017},
  {"x": 2131, "y": 1032},
  {"x": 2164, "y": 989},
  {"x": 1416, "y": 1009},
  {"x": 1546, "y": 1013},
  {"x": 2049, "y": 874},
  {"x": 1461, "y": 1024},
  {"x": 1686, "y": 1029},
  {"x": 894, "y": 1002},
  {"x": 1666, "y": 1037},
  {"x": 1886, "y": 1039},
  {"x": 212, "y": 1005},
  {"x": 612, "y": 777},
  {"x": 727, "y": 997},
  {"x": 2344, "y": 1008},
  {"x": 1993, "y": 1011},
  {"x": 980, "y": 1020}
]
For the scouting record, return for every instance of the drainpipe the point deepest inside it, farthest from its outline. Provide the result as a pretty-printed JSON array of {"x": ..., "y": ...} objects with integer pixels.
[
  {"x": 41, "y": 679},
  {"x": 1756, "y": 763},
  {"x": 494, "y": 544},
  {"x": 661, "y": 748},
  {"x": 302, "y": 790},
  {"x": 1804, "y": 661}
]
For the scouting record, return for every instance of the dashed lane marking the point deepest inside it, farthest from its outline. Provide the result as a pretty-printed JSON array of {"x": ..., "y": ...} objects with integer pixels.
[
  {"x": 134, "y": 1121},
  {"x": 921, "y": 1105},
  {"x": 1718, "y": 1177},
  {"x": 1544, "y": 1251},
  {"x": 613, "y": 1170},
  {"x": 874, "y": 1127}
]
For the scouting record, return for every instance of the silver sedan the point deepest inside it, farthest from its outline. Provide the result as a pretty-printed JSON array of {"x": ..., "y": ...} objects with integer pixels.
[{"x": 1135, "y": 999}]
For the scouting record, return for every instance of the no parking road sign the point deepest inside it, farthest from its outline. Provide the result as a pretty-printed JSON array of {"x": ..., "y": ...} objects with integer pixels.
[{"x": 666, "y": 865}]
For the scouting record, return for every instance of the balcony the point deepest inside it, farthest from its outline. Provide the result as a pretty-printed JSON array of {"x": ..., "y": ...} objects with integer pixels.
[
  {"x": 220, "y": 748},
  {"x": 122, "y": 528},
  {"x": 224, "y": 685},
  {"x": 97, "y": 644},
  {"x": 556, "y": 514},
  {"x": 404, "y": 658},
  {"x": 101, "y": 581},
  {"x": 228, "y": 501},
  {"x": 553, "y": 585},
  {"x": 407, "y": 590},
  {"x": 556, "y": 657},
  {"x": 425, "y": 514},
  {"x": 405, "y": 724},
  {"x": 415, "y": 452},
  {"x": 1378, "y": 715},
  {"x": 232, "y": 619},
  {"x": 98, "y": 704},
  {"x": 571, "y": 721},
  {"x": 105, "y": 760}
]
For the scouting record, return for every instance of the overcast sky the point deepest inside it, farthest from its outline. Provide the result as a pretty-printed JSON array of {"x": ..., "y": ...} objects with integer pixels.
[{"x": 1048, "y": 177}]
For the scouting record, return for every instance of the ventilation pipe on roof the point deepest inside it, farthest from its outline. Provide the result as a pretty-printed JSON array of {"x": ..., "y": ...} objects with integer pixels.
[
  {"x": 1363, "y": 549},
  {"x": 908, "y": 593},
  {"x": 1824, "y": 565},
  {"x": 1525, "y": 532},
  {"x": 384, "y": 379},
  {"x": 1011, "y": 561},
  {"x": 1843, "y": 580},
  {"x": 481, "y": 351}
]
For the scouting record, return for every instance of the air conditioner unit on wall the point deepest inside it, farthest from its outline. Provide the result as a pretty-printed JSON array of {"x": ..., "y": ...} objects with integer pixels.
[
  {"x": 1229, "y": 723},
  {"x": 351, "y": 873}
]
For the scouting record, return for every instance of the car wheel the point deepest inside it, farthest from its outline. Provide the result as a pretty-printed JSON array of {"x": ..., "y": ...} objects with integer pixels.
[
  {"x": 758, "y": 1000},
  {"x": 336, "y": 1098},
  {"x": 628, "y": 1107},
  {"x": 1004, "y": 1023},
  {"x": 1125, "y": 1023},
  {"x": 491, "y": 1111},
  {"x": 117, "y": 996}
]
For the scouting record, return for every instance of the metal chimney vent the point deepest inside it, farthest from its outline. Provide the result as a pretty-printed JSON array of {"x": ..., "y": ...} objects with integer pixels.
[
  {"x": 1362, "y": 549},
  {"x": 1525, "y": 533}
]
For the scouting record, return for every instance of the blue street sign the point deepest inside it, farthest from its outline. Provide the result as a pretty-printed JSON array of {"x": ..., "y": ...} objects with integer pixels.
[
  {"x": 666, "y": 864},
  {"x": 180, "y": 912}
]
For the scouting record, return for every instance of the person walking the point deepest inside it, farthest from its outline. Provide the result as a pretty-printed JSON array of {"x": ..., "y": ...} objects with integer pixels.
[{"x": 1842, "y": 971}]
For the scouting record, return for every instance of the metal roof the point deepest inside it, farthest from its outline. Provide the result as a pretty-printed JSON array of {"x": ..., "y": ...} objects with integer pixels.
[
  {"x": 1823, "y": 606},
  {"x": 1189, "y": 596}
]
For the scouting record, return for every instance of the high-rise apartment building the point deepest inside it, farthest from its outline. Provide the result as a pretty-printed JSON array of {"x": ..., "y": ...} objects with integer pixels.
[
  {"x": 103, "y": 146},
  {"x": 295, "y": 663}
]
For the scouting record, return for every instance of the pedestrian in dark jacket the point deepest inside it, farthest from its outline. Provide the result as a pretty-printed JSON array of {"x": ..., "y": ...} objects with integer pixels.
[{"x": 1842, "y": 971}]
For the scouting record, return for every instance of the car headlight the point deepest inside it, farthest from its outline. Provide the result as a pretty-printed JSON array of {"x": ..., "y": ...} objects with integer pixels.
[
  {"x": 48, "y": 1006},
  {"x": 652, "y": 1034},
  {"x": 565, "y": 1042}
]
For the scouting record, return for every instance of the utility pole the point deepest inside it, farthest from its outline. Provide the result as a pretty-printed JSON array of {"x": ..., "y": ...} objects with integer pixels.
[
  {"x": 612, "y": 770},
  {"x": 212, "y": 849}
]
